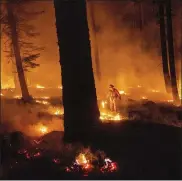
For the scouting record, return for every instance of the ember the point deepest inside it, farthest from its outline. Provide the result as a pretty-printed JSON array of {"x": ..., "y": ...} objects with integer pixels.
[
  {"x": 23, "y": 151},
  {"x": 56, "y": 160},
  {"x": 38, "y": 154},
  {"x": 86, "y": 166}
]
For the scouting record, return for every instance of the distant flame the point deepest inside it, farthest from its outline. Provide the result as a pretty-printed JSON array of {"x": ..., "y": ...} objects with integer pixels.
[
  {"x": 155, "y": 90},
  {"x": 42, "y": 102},
  {"x": 39, "y": 86},
  {"x": 122, "y": 92},
  {"x": 144, "y": 97},
  {"x": 43, "y": 129},
  {"x": 103, "y": 103}
]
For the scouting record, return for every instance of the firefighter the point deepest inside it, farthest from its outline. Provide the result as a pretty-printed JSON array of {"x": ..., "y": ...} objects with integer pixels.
[{"x": 113, "y": 95}]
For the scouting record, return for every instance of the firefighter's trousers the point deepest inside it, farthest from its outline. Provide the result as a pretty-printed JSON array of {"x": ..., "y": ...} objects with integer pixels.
[{"x": 112, "y": 103}]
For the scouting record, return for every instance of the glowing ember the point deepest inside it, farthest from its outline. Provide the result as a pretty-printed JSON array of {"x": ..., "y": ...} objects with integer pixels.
[
  {"x": 85, "y": 166},
  {"x": 56, "y": 160},
  {"x": 38, "y": 154},
  {"x": 109, "y": 166},
  {"x": 22, "y": 151},
  {"x": 39, "y": 86},
  {"x": 43, "y": 129}
]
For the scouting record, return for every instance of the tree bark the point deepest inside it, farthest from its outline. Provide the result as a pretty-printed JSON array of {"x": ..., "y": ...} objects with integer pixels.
[
  {"x": 14, "y": 36},
  {"x": 164, "y": 48},
  {"x": 81, "y": 111},
  {"x": 141, "y": 18},
  {"x": 95, "y": 42},
  {"x": 171, "y": 53}
]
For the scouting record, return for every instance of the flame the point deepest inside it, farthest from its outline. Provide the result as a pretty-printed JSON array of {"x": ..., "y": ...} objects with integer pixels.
[
  {"x": 110, "y": 117},
  {"x": 155, "y": 90},
  {"x": 81, "y": 159},
  {"x": 144, "y": 97},
  {"x": 42, "y": 102},
  {"x": 43, "y": 129},
  {"x": 122, "y": 92},
  {"x": 103, "y": 103},
  {"x": 45, "y": 97},
  {"x": 17, "y": 97},
  {"x": 60, "y": 87},
  {"x": 1, "y": 94},
  {"x": 39, "y": 86},
  {"x": 58, "y": 112}
]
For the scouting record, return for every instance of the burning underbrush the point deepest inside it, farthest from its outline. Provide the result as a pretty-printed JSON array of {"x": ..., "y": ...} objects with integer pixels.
[
  {"x": 70, "y": 159},
  {"x": 46, "y": 113}
]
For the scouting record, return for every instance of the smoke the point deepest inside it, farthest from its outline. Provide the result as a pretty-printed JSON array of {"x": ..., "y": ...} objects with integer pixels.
[
  {"x": 25, "y": 118},
  {"x": 128, "y": 56}
]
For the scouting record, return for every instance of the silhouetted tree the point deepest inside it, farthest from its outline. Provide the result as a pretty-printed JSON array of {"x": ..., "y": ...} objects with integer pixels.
[
  {"x": 16, "y": 29},
  {"x": 164, "y": 46},
  {"x": 81, "y": 111},
  {"x": 95, "y": 40},
  {"x": 171, "y": 53}
]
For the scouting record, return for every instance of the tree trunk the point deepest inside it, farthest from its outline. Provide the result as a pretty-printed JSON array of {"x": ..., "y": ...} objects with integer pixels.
[
  {"x": 95, "y": 42},
  {"x": 14, "y": 36},
  {"x": 164, "y": 48},
  {"x": 81, "y": 111},
  {"x": 15, "y": 76},
  {"x": 141, "y": 18},
  {"x": 171, "y": 53}
]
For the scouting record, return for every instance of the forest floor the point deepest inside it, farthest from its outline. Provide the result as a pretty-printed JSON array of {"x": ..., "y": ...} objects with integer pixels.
[{"x": 146, "y": 145}]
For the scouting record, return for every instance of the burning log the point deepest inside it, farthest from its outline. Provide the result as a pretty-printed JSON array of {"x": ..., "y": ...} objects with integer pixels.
[{"x": 85, "y": 166}]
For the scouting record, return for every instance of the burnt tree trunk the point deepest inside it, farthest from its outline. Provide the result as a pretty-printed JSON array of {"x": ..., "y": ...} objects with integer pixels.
[
  {"x": 81, "y": 111},
  {"x": 95, "y": 42},
  {"x": 171, "y": 53},
  {"x": 15, "y": 76},
  {"x": 164, "y": 48},
  {"x": 141, "y": 17},
  {"x": 14, "y": 37}
]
